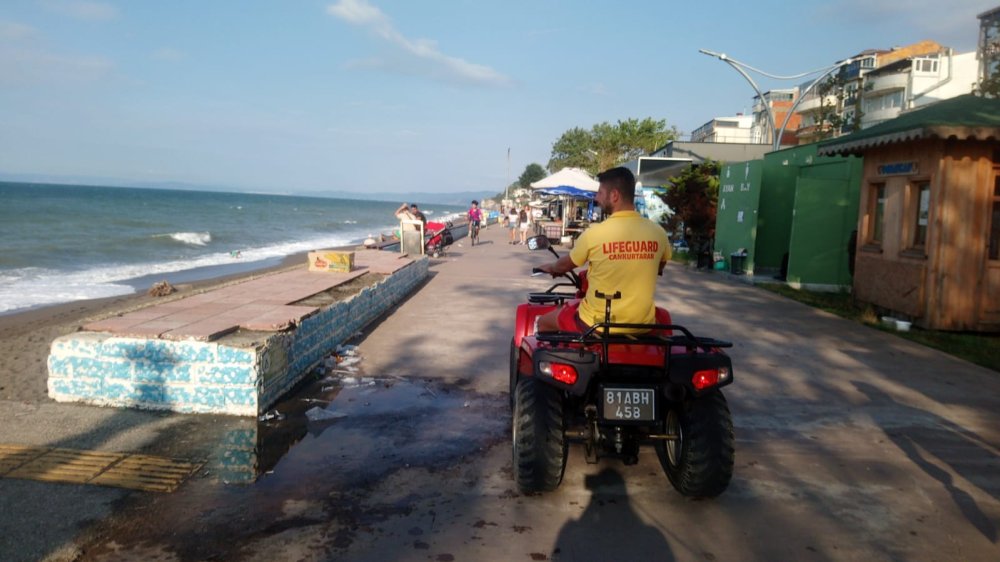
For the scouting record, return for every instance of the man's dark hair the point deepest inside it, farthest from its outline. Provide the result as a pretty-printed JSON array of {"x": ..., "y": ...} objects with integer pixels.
[
  {"x": 413, "y": 205},
  {"x": 621, "y": 180}
]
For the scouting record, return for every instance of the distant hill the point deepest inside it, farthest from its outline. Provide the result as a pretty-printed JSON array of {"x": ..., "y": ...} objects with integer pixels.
[{"x": 460, "y": 198}]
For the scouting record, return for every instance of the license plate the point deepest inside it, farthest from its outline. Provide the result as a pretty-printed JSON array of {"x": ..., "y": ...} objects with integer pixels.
[{"x": 629, "y": 404}]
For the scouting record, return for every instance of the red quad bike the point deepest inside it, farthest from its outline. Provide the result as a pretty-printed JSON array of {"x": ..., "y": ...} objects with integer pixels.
[{"x": 617, "y": 392}]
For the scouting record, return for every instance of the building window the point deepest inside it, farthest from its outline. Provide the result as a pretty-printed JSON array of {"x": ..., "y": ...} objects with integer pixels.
[
  {"x": 926, "y": 65},
  {"x": 876, "y": 214},
  {"x": 921, "y": 213}
]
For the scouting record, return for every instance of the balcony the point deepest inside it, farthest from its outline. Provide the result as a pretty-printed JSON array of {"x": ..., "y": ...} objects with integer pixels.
[
  {"x": 814, "y": 103},
  {"x": 878, "y": 115},
  {"x": 886, "y": 83}
]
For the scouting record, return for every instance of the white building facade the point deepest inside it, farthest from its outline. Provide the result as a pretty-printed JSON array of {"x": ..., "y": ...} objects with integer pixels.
[
  {"x": 738, "y": 129},
  {"x": 916, "y": 82}
]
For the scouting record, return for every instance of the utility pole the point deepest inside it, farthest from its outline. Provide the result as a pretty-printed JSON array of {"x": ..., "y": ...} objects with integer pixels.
[
  {"x": 739, "y": 67},
  {"x": 507, "y": 189}
]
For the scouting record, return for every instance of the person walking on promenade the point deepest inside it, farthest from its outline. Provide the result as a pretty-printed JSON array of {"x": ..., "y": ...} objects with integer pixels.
[
  {"x": 626, "y": 252},
  {"x": 512, "y": 225},
  {"x": 524, "y": 223}
]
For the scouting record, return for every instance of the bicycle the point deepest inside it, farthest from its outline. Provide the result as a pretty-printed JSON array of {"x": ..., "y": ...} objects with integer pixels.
[{"x": 474, "y": 232}]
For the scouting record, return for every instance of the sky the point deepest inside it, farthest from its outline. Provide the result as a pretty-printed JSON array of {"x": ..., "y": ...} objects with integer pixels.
[{"x": 392, "y": 95}]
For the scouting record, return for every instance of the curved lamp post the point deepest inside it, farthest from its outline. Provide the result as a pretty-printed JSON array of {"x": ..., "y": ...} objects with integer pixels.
[{"x": 739, "y": 67}]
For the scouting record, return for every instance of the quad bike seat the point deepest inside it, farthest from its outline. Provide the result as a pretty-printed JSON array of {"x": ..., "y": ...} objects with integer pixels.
[{"x": 570, "y": 322}]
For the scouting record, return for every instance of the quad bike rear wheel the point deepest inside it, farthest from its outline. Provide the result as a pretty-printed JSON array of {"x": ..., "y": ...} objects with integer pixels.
[
  {"x": 700, "y": 462},
  {"x": 539, "y": 436}
]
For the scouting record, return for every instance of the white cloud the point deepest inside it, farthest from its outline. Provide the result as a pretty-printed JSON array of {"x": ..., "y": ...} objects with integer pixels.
[
  {"x": 83, "y": 9},
  {"x": 953, "y": 23},
  {"x": 168, "y": 54},
  {"x": 597, "y": 89},
  {"x": 419, "y": 56},
  {"x": 30, "y": 66},
  {"x": 25, "y": 60},
  {"x": 13, "y": 31}
]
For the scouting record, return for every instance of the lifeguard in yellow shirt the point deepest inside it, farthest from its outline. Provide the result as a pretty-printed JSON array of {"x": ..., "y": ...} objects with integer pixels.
[{"x": 626, "y": 253}]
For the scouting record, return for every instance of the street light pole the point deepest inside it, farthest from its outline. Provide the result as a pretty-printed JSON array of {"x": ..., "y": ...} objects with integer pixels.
[{"x": 739, "y": 67}]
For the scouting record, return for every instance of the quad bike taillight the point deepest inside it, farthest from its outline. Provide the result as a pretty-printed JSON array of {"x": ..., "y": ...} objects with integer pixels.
[
  {"x": 561, "y": 372},
  {"x": 707, "y": 378}
]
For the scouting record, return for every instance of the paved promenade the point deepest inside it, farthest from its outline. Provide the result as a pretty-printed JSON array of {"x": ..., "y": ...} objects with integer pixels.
[{"x": 851, "y": 444}]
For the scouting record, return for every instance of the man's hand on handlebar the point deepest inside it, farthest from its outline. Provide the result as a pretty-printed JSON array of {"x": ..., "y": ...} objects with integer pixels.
[{"x": 550, "y": 268}]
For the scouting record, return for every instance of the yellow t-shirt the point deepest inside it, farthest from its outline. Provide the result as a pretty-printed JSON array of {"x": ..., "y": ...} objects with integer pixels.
[{"x": 625, "y": 252}]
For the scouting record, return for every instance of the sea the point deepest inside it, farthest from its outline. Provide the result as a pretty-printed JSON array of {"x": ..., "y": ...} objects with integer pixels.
[{"x": 63, "y": 243}]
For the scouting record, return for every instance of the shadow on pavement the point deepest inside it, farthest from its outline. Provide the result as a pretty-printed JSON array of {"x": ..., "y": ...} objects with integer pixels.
[
  {"x": 609, "y": 527},
  {"x": 937, "y": 439}
]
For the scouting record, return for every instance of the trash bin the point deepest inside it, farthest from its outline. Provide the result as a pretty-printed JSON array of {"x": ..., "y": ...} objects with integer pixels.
[
  {"x": 704, "y": 260},
  {"x": 737, "y": 263}
]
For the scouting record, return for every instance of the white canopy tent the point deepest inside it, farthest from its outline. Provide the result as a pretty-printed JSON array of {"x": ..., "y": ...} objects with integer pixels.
[
  {"x": 575, "y": 178},
  {"x": 568, "y": 177}
]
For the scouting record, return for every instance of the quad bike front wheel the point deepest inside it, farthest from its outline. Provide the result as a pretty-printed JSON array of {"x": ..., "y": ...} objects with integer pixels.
[
  {"x": 514, "y": 355},
  {"x": 699, "y": 463},
  {"x": 539, "y": 436}
]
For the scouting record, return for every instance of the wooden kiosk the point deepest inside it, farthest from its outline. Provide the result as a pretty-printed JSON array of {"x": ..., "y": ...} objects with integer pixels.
[{"x": 928, "y": 233}]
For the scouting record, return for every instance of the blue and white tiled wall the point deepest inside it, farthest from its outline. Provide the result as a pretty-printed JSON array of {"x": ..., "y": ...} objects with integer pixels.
[{"x": 211, "y": 377}]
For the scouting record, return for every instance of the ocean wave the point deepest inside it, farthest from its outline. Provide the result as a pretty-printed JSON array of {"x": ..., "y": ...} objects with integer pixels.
[
  {"x": 26, "y": 288},
  {"x": 190, "y": 238}
]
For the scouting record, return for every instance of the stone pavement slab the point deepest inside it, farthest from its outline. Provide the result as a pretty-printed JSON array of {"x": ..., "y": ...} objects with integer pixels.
[{"x": 265, "y": 303}]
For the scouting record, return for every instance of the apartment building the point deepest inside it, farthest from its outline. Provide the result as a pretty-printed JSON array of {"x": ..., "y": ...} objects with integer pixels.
[
  {"x": 878, "y": 85},
  {"x": 989, "y": 44},
  {"x": 915, "y": 82},
  {"x": 780, "y": 103},
  {"x": 736, "y": 129}
]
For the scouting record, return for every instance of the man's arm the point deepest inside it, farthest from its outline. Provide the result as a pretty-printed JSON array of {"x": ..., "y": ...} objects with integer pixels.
[
  {"x": 666, "y": 257},
  {"x": 558, "y": 267}
]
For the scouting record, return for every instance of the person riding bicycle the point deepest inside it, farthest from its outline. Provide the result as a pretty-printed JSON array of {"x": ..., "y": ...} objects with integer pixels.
[
  {"x": 475, "y": 217},
  {"x": 626, "y": 253}
]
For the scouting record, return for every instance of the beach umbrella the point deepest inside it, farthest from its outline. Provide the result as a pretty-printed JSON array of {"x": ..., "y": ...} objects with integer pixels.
[
  {"x": 568, "y": 184},
  {"x": 568, "y": 177}
]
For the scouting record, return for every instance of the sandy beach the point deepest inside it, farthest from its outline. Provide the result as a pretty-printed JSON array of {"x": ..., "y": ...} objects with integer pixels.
[{"x": 25, "y": 337}]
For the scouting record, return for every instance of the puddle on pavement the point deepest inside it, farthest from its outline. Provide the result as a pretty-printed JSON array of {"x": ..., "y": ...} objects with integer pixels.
[
  {"x": 349, "y": 430},
  {"x": 297, "y": 470}
]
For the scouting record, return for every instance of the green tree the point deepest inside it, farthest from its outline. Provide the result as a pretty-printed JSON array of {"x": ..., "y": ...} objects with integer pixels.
[
  {"x": 532, "y": 173},
  {"x": 831, "y": 115},
  {"x": 694, "y": 197},
  {"x": 607, "y": 145},
  {"x": 988, "y": 87},
  {"x": 571, "y": 150}
]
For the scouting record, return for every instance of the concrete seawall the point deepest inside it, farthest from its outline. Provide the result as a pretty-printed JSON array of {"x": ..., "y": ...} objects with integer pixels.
[{"x": 240, "y": 373}]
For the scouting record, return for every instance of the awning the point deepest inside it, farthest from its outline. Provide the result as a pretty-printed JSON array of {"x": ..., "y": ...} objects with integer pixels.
[{"x": 567, "y": 191}]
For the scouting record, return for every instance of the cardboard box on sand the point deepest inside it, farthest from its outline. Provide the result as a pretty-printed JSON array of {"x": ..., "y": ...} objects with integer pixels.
[{"x": 330, "y": 260}]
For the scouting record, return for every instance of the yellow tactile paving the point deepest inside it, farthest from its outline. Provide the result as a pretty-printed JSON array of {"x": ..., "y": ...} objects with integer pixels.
[{"x": 121, "y": 470}]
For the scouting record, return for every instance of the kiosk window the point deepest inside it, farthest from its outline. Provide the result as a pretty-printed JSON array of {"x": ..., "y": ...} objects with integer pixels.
[
  {"x": 994, "y": 249},
  {"x": 877, "y": 214},
  {"x": 922, "y": 203}
]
